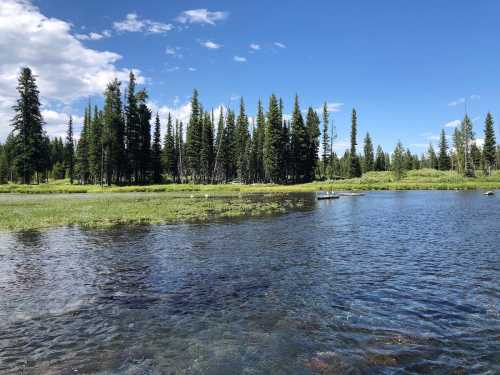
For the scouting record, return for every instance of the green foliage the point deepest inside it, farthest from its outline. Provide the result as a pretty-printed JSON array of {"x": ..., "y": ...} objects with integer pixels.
[
  {"x": 489, "y": 147},
  {"x": 368, "y": 160},
  {"x": 398, "y": 161},
  {"x": 27, "y": 123},
  {"x": 444, "y": 162},
  {"x": 69, "y": 152},
  {"x": 156, "y": 162},
  {"x": 355, "y": 165}
]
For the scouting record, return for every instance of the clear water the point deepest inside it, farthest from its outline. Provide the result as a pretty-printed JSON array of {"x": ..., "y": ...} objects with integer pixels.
[{"x": 392, "y": 282}]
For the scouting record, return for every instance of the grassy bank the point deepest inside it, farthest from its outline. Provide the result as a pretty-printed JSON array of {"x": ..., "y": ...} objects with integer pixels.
[
  {"x": 426, "y": 179},
  {"x": 21, "y": 212}
]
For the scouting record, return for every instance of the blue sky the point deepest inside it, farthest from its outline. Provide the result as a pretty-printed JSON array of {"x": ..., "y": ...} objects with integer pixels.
[{"x": 401, "y": 64}]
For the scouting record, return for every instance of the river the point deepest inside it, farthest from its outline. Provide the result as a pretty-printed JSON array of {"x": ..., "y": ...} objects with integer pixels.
[{"x": 391, "y": 282}]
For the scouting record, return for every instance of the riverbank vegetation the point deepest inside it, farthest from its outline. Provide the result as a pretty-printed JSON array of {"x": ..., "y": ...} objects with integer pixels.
[
  {"x": 119, "y": 147},
  {"x": 424, "y": 179},
  {"x": 105, "y": 210}
]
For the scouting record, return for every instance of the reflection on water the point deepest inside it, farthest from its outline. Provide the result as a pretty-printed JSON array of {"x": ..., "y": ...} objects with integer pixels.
[{"x": 389, "y": 282}]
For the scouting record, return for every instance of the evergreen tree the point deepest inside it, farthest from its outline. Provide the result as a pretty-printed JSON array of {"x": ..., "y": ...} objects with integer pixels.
[
  {"x": 4, "y": 167},
  {"x": 467, "y": 138},
  {"x": 180, "y": 153},
  {"x": 398, "y": 162},
  {"x": 443, "y": 158},
  {"x": 299, "y": 145},
  {"x": 169, "y": 156},
  {"x": 476, "y": 156},
  {"x": 218, "y": 172},
  {"x": 313, "y": 134},
  {"x": 489, "y": 148},
  {"x": 207, "y": 148},
  {"x": 144, "y": 115},
  {"x": 113, "y": 134},
  {"x": 380, "y": 161},
  {"x": 433, "y": 160},
  {"x": 325, "y": 139},
  {"x": 368, "y": 160},
  {"x": 229, "y": 147},
  {"x": 260, "y": 143},
  {"x": 193, "y": 137},
  {"x": 156, "y": 163},
  {"x": 355, "y": 166},
  {"x": 95, "y": 146},
  {"x": 133, "y": 132},
  {"x": 273, "y": 143},
  {"x": 70, "y": 152},
  {"x": 27, "y": 123},
  {"x": 242, "y": 138},
  {"x": 82, "y": 150}
]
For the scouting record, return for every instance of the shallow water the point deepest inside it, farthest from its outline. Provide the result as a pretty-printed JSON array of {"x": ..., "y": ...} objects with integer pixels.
[{"x": 392, "y": 282}]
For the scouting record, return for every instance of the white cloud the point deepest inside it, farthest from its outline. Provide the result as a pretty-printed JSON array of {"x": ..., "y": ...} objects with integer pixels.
[
  {"x": 240, "y": 59},
  {"x": 452, "y": 124},
  {"x": 56, "y": 123},
  {"x": 279, "y": 45},
  {"x": 254, "y": 46},
  {"x": 132, "y": 23},
  {"x": 457, "y": 102},
  {"x": 202, "y": 16},
  {"x": 65, "y": 69},
  {"x": 93, "y": 36},
  {"x": 210, "y": 45},
  {"x": 191, "y": 69},
  {"x": 475, "y": 97}
]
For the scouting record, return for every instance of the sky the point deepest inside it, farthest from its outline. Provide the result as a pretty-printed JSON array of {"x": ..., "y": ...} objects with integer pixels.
[{"x": 408, "y": 67}]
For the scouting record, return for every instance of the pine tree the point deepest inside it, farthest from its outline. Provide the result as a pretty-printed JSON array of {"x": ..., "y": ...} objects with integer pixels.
[
  {"x": 242, "y": 138},
  {"x": 273, "y": 143},
  {"x": 113, "y": 134},
  {"x": 325, "y": 139},
  {"x": 313, "y": 134},
  {"x": 368, "y": 160},
  {"x": 193, "y": 137},
  {"x": 180, "y": 153},
  {"x": 82, "y": 150},
  {"x": 169, "y": 157},
  {"x": 27, "y": 123},
  {"x": 4, "y": 166},
  {"x": 95, "y": 146},
  {"x": 156, "y": 164},
  {"x": 144, "y": 115},
  {"x": 355, "y": 166},
  {"x": 489, "y": 148},
  {"x": 207, "y": 148},
  {"x": 433, "y": 160},
  {"x": 443, "y": 158},
  {"x": 467, "y": 138},
  {"x": 299, "y": 144},
  {"x": 398, "y": 162},
  {"x": 218, "y": 171},
  {"x": 133, "y": 132},
  {"x": 380, "y": 161},
  {"x": 260, "y": 143},
  {"x": 69, "y": 153}
]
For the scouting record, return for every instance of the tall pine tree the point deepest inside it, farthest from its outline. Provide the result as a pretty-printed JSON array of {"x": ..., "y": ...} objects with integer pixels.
[
  {"x": 355, "y": 166},
  {"x": 156, "y": 164},
  {"x": 489, "y": 148}
]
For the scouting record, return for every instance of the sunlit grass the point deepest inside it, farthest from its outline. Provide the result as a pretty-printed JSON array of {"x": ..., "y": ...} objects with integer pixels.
[{"x": 22, "y": 212}]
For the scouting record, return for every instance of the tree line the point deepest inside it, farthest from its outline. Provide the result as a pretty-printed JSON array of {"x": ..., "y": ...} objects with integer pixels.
[{"x": 122, "y": 144}]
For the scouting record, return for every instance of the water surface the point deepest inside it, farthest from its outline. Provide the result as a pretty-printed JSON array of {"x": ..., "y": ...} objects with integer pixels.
[{"x": 392, "y": 282}]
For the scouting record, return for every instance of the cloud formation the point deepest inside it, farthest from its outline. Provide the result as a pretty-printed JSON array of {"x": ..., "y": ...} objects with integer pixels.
[
  {"x": 201, "y": 16},
  {"x": 279, "y": 45},
  {"x": 65, "y": 69},
  {"x": 133, "y": 24},
  {"x": 210, "y": 45},
  {"x": 240, "y": 59}
]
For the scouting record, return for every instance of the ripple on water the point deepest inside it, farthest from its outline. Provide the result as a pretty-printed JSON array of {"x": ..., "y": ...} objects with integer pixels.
[{"x": 387, "y": 283}]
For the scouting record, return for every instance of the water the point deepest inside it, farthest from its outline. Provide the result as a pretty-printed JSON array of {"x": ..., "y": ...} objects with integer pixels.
[{"x": 392, "y": 282}]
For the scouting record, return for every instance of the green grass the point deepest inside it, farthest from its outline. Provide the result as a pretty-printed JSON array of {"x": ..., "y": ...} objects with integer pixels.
[
  {"x": 49, "y": 205},
  {"x": 22, "y": 212},
  {"x": 424, "y": 179}
]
